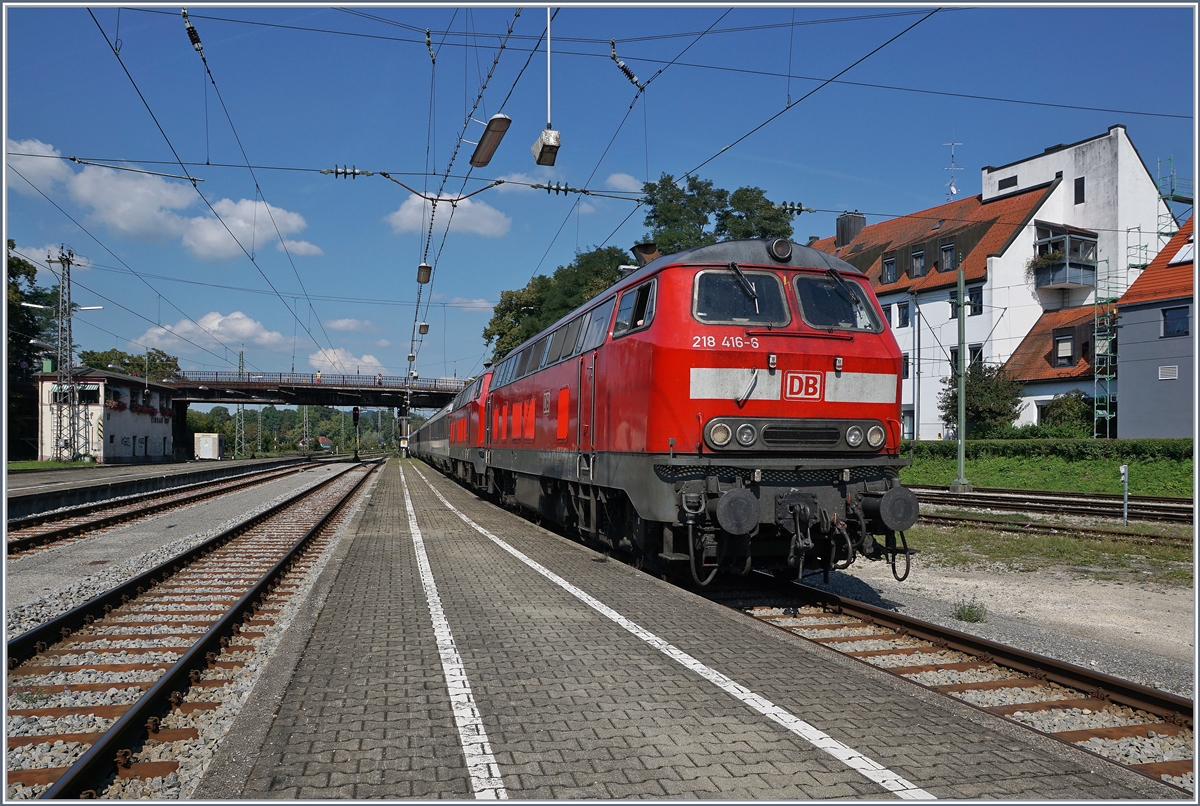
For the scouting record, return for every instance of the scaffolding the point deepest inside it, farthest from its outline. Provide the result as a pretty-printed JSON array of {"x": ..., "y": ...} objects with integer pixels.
[
  {"x": 1171, "y": 189},
  {"x": 1104, "y": 353}
]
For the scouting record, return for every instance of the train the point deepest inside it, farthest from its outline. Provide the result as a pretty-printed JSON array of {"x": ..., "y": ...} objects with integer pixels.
[{"x": 731, "y": 407}]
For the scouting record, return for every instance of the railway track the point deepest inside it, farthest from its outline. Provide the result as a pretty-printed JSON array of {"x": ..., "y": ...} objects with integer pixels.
[
  {"x": 1125, "y": 723},
  {"x": 1073, "y": 530},
  {"x": 1085, "y": 504},
  {"x": 37, "y": 531},
  {"x": 123, "y": 686}
]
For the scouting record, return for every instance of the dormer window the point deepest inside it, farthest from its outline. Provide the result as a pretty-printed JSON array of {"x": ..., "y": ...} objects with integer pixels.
[
  {"x": 917, "y": 268},
  {"x": 1064, "y": 351},
  {"x": 947, "y": 259},
  {"x": 888, "y": 275}
]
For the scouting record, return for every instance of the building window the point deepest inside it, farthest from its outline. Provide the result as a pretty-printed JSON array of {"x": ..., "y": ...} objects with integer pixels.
[
  {"x": 1064, "y": 349},
  {"x": 1079, "y": 190},
  {"x": 954, "y": 362},
  {"x": 1175, "y": 322},
  {"x": 975, "y": 300},
  {"x": 918, "y": 265},
  {"x": 906, "y": 424},
  {"x": 976, "y": 354},
  {"x": 887, "y": 315},
  {"x": 889, "y": 271},
  {"x": 1010, "y": 182},
  {"x": 948, "y": 263},
  {"x": 954, "y": 304},
  {"x": 902, "y": 315},
  {"x": 112, "y": 438},
  {"x": 904, "y": 366}
]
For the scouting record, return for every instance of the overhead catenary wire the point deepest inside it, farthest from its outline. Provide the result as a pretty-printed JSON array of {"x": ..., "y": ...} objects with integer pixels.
[
  {"x": 118, "y": 258},
  {"x": 194, "y": 185},
  {"x": 195, "y": 39}
]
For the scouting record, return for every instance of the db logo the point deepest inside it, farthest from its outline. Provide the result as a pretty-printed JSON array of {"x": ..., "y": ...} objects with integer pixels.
[{"x": 802, "y": 385}]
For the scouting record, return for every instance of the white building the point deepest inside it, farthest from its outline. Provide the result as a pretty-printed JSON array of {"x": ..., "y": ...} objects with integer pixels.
[
  {"x": 1089, "y": 210},
  {"x": 126, "y": 419}
]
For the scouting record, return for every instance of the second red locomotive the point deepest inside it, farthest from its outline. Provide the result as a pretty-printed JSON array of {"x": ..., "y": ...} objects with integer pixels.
[{"x": 729, "y": 406}]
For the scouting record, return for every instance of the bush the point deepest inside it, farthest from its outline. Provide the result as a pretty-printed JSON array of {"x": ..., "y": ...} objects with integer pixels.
[{"x": 1074, "y": 450}]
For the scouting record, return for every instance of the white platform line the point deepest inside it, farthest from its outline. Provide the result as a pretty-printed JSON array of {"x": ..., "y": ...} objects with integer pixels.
[
  {"x": 481, "y": 764},
  {"x": 860, "y": 763}
]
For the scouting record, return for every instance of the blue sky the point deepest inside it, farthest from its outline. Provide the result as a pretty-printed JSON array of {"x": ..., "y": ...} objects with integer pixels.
[{"x": 310, "y": 88}]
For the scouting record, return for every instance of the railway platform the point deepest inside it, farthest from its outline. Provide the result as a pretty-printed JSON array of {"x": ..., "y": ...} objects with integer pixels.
[
  {"x": 454, "y": 650},
  {"x": 30, "y": 492}
]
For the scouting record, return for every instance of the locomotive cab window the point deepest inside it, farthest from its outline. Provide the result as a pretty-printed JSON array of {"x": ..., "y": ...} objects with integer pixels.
[
  {"x": 598, "y": 327},
  {"x": 829, "y": 301},
  {"x": 636, "y": 311},
  {"x": 729, "y": 297}
]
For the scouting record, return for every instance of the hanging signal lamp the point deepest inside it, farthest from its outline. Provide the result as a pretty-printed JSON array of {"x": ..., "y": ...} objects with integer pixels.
[
  {"x": 424, "y": 272},
  {"x": 795, "y": 208}
]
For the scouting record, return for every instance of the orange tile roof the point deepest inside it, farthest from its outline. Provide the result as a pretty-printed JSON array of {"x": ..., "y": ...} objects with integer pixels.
[
  {"x": 1159, "y": 281},
  {"x": 1033, "y": 359},
  {"x": 1002, "y": 218}
]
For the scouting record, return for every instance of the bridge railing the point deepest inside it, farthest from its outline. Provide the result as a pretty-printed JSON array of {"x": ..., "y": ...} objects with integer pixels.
[{"x": 257, "y": 379}]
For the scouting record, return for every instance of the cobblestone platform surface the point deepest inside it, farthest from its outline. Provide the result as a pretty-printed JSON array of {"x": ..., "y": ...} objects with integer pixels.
[{"x": 571, "y": 700}]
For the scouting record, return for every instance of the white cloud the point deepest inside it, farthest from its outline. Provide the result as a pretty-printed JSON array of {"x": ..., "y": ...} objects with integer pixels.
[
  {"x": 383, "y": 343},
  {"x": 40, "y": 171},
  {"x": 250, "y": 221},
  {"x": 299, "y": 247},
  {"x": 585, "y": 208},
  {"x": 132, "y": 204},
  {"x": 471, "y": 304},
  {"x": 476, "y": 217},
  {"x": 625, "y": 182},
  {"x": 341, "y": 360},
  {"x": 352, "y": 325},
  {"x": 150, "y": 207},
  {"x": 235, "y": 328}
]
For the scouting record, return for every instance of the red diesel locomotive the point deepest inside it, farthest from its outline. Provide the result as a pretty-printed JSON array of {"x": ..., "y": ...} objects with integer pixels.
[{"x": 730, "y": 406}]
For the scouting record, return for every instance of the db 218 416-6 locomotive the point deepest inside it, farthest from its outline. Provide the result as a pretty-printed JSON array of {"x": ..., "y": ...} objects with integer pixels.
[{"x": 730, "y": 406}]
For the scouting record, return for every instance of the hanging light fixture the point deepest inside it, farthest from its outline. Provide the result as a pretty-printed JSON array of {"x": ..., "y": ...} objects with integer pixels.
[
  {"x": 424, "y": 272},
  {"x": 412, "y": 357},
  {"x": 497, "y": 125},
  {"x": 423, "y": 327},
  {"x": 545, "y": 148}
]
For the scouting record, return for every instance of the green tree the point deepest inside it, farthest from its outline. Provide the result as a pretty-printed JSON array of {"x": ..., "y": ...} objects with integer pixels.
[
  {"x": 161, "y": 365},
  {"x": 544, "y": 300},
  {"x": 751, "y": 214},
  {"x": 25, "y": 326},
  {"x": 993, "y": 399},
  {"x": 680, "y": 217},
  {"x": 1073, "y": 412}
]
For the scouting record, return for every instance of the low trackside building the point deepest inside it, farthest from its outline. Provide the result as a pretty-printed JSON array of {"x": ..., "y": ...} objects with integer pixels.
[{"x": 124, "y": 419}]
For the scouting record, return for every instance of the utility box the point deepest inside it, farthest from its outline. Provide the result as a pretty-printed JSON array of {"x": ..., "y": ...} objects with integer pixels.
[{"x": 210, "y": 446}]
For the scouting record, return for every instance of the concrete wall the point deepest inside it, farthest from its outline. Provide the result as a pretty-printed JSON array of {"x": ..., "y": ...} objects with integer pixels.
[
  {"x": 112, "y": 436},
  {"x": 1147, "y": 406}
]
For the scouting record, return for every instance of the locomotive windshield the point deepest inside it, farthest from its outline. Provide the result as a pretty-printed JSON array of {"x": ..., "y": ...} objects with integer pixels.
[
  {"x": 722, "y": 296},
  {"x": 830, "y": 301}
]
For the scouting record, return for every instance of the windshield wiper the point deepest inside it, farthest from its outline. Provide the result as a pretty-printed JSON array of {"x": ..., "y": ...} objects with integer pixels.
[
  {"x": 746, "y": 284},
  {"x": 844, "y": 287}
]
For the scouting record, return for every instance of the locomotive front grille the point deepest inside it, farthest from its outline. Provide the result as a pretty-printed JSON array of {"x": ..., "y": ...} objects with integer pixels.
[
  {"x": 673, "y": 473},
  {"x": 801, "y": 435}
]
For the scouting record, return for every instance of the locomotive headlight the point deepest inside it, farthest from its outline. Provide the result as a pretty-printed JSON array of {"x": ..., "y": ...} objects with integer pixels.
[
  {"x": 854, "y": 436},
  {"x": 720, "y": 434},
  {"x": 746, "y": 434},
  {"x": 875, "y": 436}
]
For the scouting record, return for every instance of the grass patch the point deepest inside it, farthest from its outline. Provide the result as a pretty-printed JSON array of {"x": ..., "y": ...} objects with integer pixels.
[
  {"x": 973, "y": 548},
  {"x": 973, "y": 611},
  {"x": 1163, "y": 477},
  {"x": 35, "y": 465}
]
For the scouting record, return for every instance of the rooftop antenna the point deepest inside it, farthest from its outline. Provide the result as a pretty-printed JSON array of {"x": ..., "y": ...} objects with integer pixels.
[{"x": 953, "y": 166}]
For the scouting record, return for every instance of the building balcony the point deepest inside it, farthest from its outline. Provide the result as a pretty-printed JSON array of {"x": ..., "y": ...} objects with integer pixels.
[{"x": 1065, "y": 274}]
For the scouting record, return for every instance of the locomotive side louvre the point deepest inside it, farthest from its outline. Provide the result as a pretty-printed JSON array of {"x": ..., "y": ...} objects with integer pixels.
[{"x": 733, "y": 404}]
